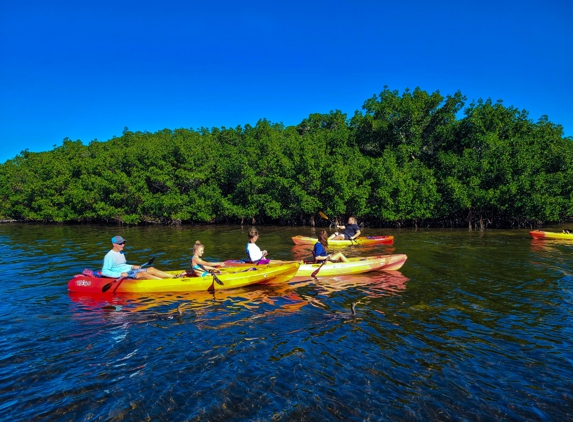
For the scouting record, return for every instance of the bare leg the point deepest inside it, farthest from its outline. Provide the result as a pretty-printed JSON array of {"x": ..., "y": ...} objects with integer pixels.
[
  {"x": 339, "y": 257},
  {"x": 336, "y": 237},
  {"x": 146, "y": 276},
  {"x": 158, "y": 274}
]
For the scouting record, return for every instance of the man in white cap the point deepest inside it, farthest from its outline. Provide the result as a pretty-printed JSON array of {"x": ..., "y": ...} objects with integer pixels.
[{"x": 115, "y": 265}]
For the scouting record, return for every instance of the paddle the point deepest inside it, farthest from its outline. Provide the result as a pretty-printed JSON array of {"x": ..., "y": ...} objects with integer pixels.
[
  {"x": 315, "y": 272},
  {"x": 259, "y": 260},
  {"x": 323, "y": 215},
  {"x": 215, "y": 278},
  {"x": 211, "y": 288},
  {"x": 120, "y": 279}
]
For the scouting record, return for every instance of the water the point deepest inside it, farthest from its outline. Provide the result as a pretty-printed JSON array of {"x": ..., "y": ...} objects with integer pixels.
[{"x": 475, "y": 326}]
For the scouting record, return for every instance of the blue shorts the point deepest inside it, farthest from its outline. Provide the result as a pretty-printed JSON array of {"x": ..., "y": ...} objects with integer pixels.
[{"x": 133, "y": 273}]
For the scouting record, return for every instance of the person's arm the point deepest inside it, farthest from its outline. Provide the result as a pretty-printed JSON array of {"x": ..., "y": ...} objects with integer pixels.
[
  {"x": 320, "y": 253},
  {"x": 208, "y": 265},
  {"x": 255, "y": 252},
  {"x": 109, "y": 269},
  {"x": 356, "y": 234}
]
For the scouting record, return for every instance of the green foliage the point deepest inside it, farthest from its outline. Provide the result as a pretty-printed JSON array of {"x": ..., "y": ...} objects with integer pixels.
[{"x": 411, "y": 158}]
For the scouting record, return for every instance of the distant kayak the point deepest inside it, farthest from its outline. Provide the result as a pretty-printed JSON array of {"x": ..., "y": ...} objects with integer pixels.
[
  {"x": 230, "y": 277},
  {"x": 362, "y": 240},
  {"x": 357, "y": 265},
  {"x": 538, "y": 234}
]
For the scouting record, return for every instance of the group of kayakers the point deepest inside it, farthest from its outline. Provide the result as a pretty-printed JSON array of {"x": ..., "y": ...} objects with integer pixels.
[{"x": 115, "y": 264}]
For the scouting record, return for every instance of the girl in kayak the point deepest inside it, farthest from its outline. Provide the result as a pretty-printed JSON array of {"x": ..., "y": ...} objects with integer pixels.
[
  {"x": 253, "y": 251},
  {"x": 351, "y": 231},
  {"x": 199, "y": 266},
  {"x": 320, "y": 251}
]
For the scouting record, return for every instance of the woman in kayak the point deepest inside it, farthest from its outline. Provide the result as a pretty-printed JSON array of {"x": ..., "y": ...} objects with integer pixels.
[
  {"x": 253, "y": 251},
  {"x": 320, "y": 250},
  {"x": 199, "y": 266},
  {"x": 351, "y": 231}
]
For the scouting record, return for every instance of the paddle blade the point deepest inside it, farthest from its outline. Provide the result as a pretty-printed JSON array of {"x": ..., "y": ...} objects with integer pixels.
[
  {"x": 323, "y": 215},
  {"x": 149, "y": 262},
  {"x": 315, "y": 272},
  {"x": 215, "y": 278},
  {"x": 108, "y": 285}
]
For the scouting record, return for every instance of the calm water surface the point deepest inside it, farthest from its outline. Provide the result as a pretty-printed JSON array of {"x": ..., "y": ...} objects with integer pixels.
[{"x": 475, "y": 326}]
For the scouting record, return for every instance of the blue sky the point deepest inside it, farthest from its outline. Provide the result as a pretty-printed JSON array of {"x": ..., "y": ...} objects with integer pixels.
[{"x": 86, "y": 70}]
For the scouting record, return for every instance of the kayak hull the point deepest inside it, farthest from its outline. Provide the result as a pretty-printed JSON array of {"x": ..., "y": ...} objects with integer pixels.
[
  {"x": 231, "y": 277},
  {"x": 364, "y": 240},
  {"x": 538, "y": 234},
  {"x": 356, "y": 265}
]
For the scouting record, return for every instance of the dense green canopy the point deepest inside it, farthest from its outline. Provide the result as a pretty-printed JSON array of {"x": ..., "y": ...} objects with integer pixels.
[{"x": 409, "y": 159}]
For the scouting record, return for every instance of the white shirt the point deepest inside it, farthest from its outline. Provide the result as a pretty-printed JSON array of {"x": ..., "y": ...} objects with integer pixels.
[
  {"x": 114, "y": 264},
  {"x": 254, "y": 251}
]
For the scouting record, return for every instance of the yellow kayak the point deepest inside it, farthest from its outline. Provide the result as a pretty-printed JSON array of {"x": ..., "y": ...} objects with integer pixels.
[
  {"x": 538, "y": 234},
  {"x": 230, "y": 277},
  {"x": 356, "y": 265},
  {"x": 363, "y": 240}
]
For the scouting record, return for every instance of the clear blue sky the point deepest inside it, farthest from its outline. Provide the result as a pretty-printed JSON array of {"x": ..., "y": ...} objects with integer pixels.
[{"x": 85, "y": 70}]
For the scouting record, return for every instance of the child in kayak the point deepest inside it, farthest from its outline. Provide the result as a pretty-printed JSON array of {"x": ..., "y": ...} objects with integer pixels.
[
  {"x": 199, "y": 266},
  {"x": 253, "y": 251},
  {"x": 320, "y": 250},
  {"x": 351, "y": 231}
]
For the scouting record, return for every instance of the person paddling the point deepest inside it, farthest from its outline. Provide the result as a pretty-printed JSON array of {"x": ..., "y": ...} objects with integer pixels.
[
  {"x": 320, "y": 250},
  {"x": 115, "y": 265},
  {"x": 351, "y": 231},
  {"x": 253, "y": 251},
  {"x": 199, "y": 265}
]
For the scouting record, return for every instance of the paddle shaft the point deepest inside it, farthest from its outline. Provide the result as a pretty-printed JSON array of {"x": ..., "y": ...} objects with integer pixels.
[
  {"x": 144, "y": 265},
  {"x": 323, "y": 215},
  {"x": 120, "y": 279},
  {"x": 315, "y": 272}
]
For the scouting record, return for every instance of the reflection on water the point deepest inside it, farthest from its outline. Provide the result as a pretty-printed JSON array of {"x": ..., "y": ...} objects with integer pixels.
[
  {"x": 475, "y": 326},
  {"x": 276, "y": 299}
]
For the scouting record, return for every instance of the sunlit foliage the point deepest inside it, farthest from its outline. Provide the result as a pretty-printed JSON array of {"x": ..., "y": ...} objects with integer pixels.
[{"x": 414, "y": 158}]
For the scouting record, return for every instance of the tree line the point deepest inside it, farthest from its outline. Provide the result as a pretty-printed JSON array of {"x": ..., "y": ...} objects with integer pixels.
[{"x": 409, "y": 159}]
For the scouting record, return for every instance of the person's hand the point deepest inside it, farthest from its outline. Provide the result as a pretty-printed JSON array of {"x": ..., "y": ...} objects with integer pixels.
[
  {"x": 135, "y": 267},
  {"x": 265, "y": 253},
  {"x": 123, "y": 274}
]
